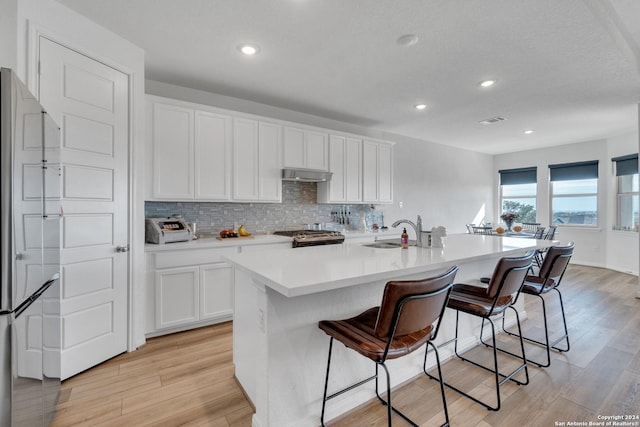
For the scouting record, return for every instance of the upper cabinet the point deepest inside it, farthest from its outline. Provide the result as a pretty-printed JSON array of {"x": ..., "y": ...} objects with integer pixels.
[
  {"x": 191, "y": 151},
  {"x": 362, "y": 171},
  {"x": 377, "y": 172},
  {"x": 345, "y": 162},
  {"x": 203, "y": 153},
  {"x": 306, "y": 149},
  {"x": 257, "y": 165}
]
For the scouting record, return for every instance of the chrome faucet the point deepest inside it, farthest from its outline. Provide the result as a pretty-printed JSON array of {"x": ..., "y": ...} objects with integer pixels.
[{"x": 417, "y": 227}]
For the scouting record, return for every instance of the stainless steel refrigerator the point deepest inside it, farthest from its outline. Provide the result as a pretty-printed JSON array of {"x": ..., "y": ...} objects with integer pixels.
[{"x": 30, "y": 333}]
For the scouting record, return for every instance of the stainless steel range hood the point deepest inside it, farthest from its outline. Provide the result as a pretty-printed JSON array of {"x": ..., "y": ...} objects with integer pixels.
[{"x": 305, "y": 175}]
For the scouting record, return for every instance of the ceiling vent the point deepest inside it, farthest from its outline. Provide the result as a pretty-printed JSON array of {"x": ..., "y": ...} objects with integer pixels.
[{"x": 492, "y": 120}]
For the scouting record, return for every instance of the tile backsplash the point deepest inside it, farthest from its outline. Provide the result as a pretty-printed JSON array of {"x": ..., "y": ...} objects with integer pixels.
[{"x": 299, "y": 206}]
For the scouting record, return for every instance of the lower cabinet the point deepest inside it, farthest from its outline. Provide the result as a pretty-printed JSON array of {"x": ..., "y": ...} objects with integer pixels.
[
  {"x": 216, "y": 291},
  {"x": 190, "y": 288},
  {"x": 192, "y": 294},
  {"x": 187, "y": 289}
]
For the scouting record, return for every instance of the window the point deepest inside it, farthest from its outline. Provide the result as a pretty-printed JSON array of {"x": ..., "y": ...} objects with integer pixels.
[
  {"x": 574, "y": 193},
  {"x": 628, "y": 192},
  {"x": 518, "y": 188}
]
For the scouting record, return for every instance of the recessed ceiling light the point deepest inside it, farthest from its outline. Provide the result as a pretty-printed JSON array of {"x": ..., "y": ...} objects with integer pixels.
[
  {"x": 492, "y": 120},
  {"x": 487, "y": 83},
  {"x": 248, "y": 49},
  {"x": 407, "y": 40},
  {"x": 420, "y": 106},
  {"x": 528, "y": 132}
]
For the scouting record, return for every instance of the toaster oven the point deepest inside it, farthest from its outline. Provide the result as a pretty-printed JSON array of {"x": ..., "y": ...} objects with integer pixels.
[{"x": 167, "y": 230}]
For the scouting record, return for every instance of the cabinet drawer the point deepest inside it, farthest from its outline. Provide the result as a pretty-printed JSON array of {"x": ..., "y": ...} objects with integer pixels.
[{"x": 191, "y": 257}]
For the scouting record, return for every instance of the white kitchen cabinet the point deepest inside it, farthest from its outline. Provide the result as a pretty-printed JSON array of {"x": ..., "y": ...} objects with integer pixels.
[
  {"x": 345, "y": 162},
  {"x": 191, "y": 149},
  {"x": 377, "y": 172},
  {"x": 306, "y": 149},
  {"x": 257, "y": 164},
  {"x": 187, "y": 289},
  {"x": 216, "y": 291},
  {"x": 171, "y": 133},
  {"x": 176, "y": 294}
]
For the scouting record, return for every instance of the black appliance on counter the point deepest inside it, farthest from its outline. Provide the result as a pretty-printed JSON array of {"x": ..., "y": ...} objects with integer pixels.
[{"x": 302, "y": 238}]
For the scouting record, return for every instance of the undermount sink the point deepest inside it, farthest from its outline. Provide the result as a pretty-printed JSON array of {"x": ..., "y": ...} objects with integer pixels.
[{"x": 387, "y": 244}]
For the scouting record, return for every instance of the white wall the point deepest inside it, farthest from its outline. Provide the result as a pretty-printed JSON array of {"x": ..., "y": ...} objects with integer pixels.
[
  {"x": 600, "y": 246},
  {"x": 77, "y": 32},
  {"x": 447, "y": 186},
  {"x": 8, "y": 33}
]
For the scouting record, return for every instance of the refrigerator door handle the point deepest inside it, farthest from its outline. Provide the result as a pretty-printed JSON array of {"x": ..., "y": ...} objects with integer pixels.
[{"x": 34, "y": 296}]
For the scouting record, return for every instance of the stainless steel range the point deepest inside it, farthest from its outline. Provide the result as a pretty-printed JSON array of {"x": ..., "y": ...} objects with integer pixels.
[{"x": 302, "y": 238}]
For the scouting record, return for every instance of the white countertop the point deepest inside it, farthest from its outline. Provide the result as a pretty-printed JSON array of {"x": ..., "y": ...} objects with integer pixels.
[
  {"x": 256, "y": 239},
  {"x": 212, "y": 242},
  {"x": 303, "y": 271}
]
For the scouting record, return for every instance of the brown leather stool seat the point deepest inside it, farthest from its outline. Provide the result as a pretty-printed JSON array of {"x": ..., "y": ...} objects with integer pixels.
[
  {"x": 358, "y": 333},
  {"x": 550, "y": 275},
  {"x": 407, "y": 319},
  {"x": 485, "y": 301}
]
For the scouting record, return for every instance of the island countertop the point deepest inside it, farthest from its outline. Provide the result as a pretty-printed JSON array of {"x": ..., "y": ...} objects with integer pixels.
[{"x": 304, "y": 271}]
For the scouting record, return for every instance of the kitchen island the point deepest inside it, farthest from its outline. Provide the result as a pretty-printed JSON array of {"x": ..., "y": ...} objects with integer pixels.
[{"x": 279, "y": 297}]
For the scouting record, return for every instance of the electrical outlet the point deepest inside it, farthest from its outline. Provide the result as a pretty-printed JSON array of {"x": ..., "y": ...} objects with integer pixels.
[{"x": 401, "y": 204}]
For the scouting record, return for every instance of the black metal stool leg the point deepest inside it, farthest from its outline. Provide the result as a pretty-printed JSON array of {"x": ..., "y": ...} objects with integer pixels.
[
  {"x": 326, "y": 383},
  {"x": 439, "y": 379}
]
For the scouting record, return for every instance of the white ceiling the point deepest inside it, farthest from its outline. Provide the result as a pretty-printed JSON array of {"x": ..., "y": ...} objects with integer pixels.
[{"x": 569, "y": 70}]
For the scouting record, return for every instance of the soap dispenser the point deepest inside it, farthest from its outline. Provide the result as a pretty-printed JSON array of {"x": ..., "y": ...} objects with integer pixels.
[{"x": 404, "y": 239}]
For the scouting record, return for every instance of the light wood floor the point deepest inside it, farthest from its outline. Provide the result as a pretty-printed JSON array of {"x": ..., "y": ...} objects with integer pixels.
[{"x": 187, "y": 378}]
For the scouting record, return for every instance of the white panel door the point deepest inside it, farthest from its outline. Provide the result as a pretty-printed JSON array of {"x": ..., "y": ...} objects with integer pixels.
[{"x": 90, "y": 101}]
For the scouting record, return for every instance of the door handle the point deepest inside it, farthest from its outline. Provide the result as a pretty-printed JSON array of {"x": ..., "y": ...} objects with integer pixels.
[{"x": 122, "y": 248}]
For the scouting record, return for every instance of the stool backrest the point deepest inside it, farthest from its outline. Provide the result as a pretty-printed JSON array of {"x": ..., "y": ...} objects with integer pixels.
[
  {"x": 508, "y": 276},
  {"x": 412, "y": 305},
  {"x": 551, "y": 233},
  {"x": 555, "y": 263}
]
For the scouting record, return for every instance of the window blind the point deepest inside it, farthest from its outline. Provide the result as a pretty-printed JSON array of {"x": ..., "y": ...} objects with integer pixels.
[
  {"x": 518, "y": 176},
  {"x": 571, "y": 171},
  {"x": 626, "y": 165}
]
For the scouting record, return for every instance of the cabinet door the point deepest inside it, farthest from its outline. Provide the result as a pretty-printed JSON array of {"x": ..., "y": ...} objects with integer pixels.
[
  {"x": 369, "y": 171},
  {"x": 353, "y": 170},
  {"x": 216, "y": 291},
  {"x": 212, "y": 156},
  {"x": 385, "y": 173},
  {"x": 270, "y": 162},
  {"x": 337, "y": 165},
  {"x": 294, "y": 150},
  {"x": 176, "y": 296},
  {"x": 245, "y": 159},
  {"x": 172, "y": 136},
  {"x": 317, "y": 150},
  {"x": 377, "y": 172}
]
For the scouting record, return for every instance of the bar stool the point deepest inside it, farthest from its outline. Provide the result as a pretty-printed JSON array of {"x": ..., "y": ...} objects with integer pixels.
[
  {"x": 403, "y": 323},
  {"x": 502, "y": 292},
  {"x": 549, "y": 277}
]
